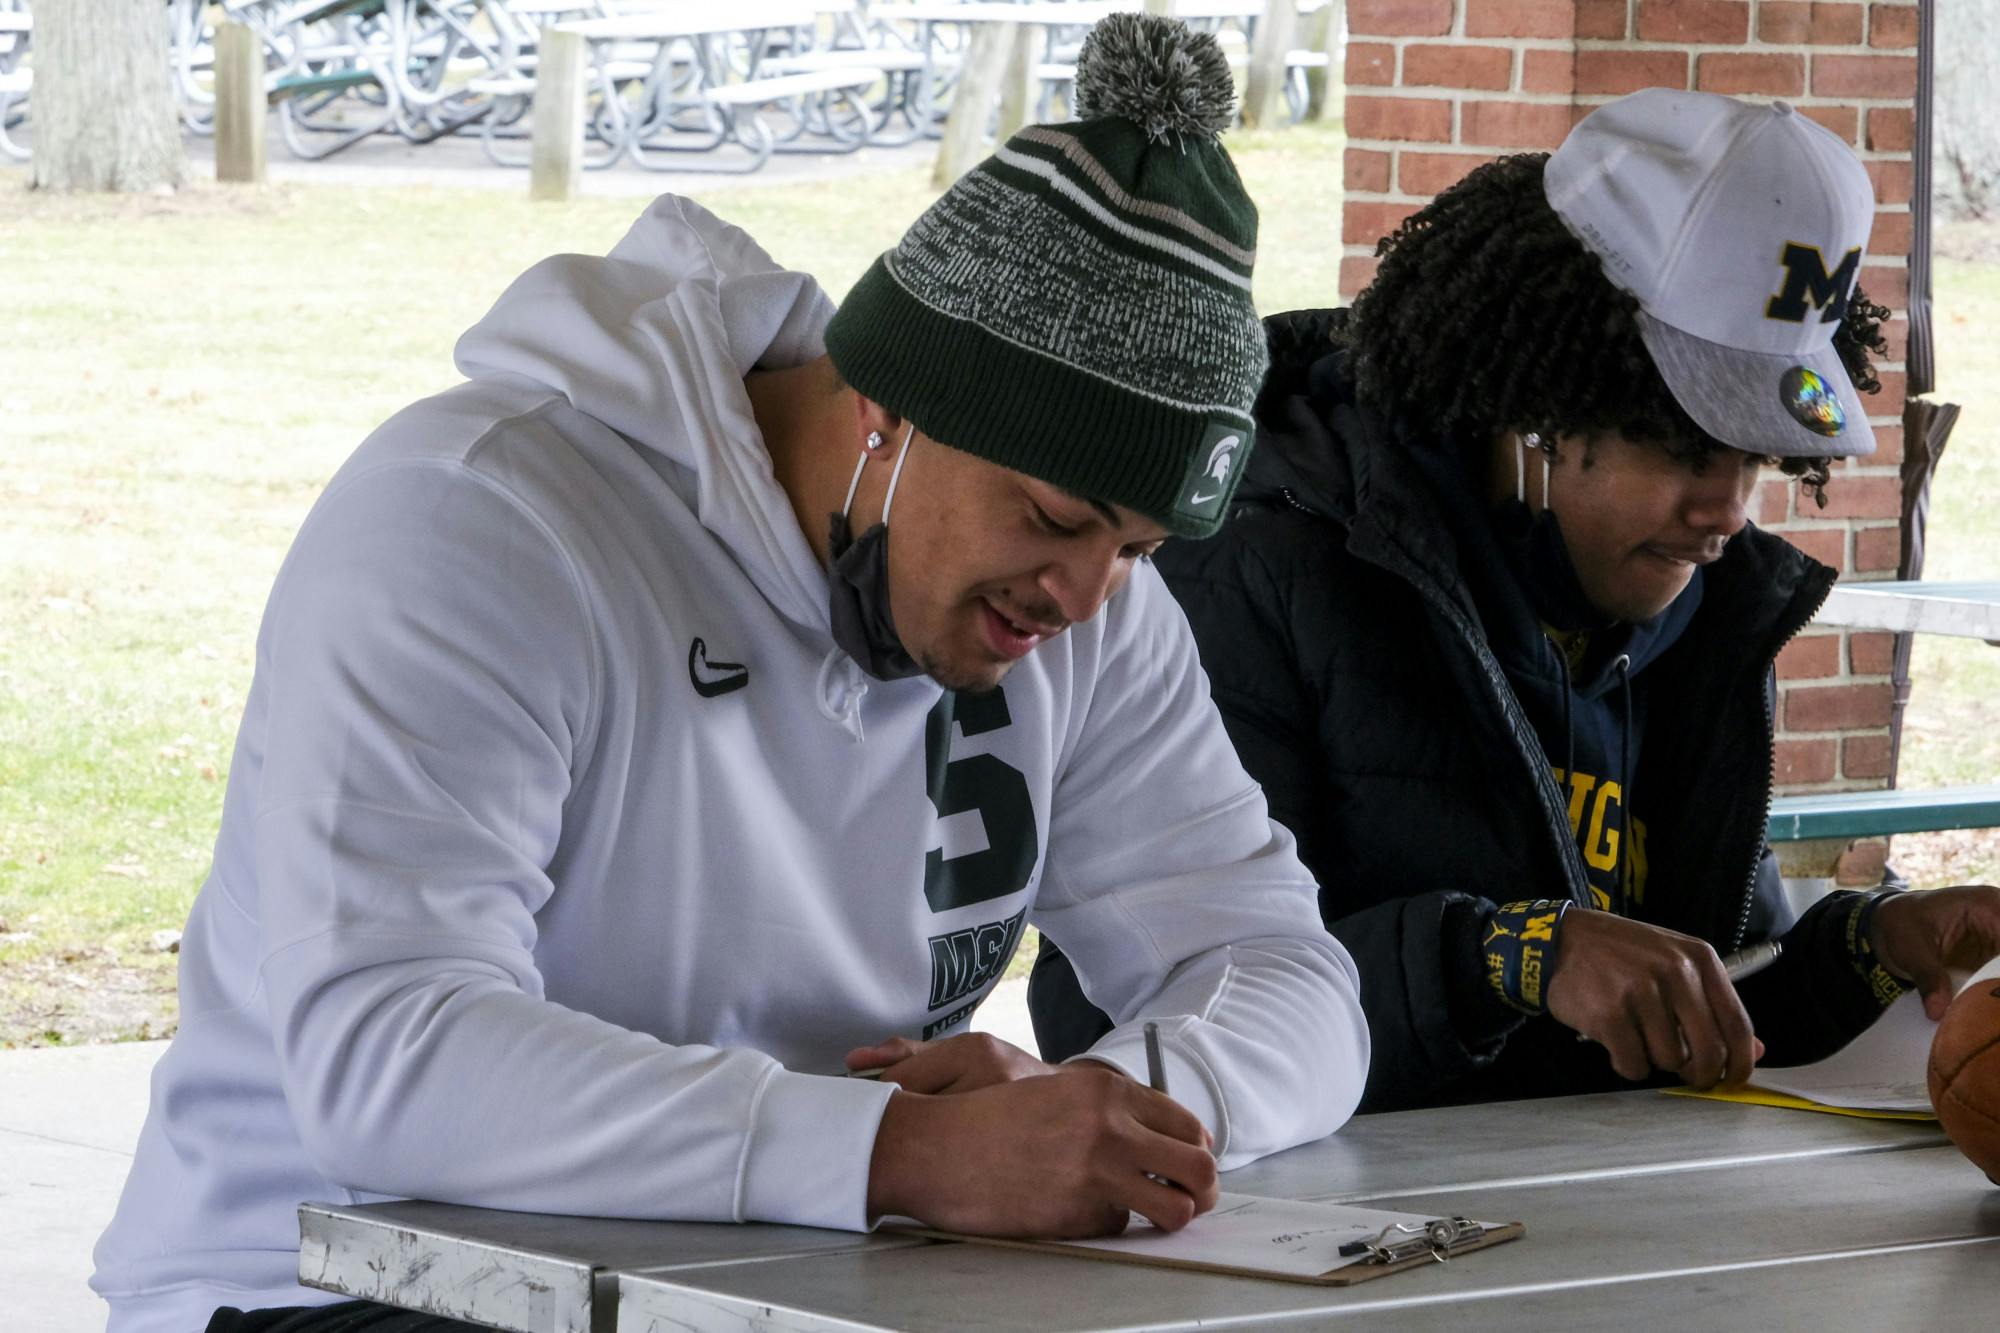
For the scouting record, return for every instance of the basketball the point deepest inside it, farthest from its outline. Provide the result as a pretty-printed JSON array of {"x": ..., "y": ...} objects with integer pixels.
[{"x": 1965, "y": 1075}]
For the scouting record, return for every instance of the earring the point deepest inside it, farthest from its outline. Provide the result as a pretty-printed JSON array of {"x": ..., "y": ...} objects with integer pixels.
[{"x": 874, "y": 441}]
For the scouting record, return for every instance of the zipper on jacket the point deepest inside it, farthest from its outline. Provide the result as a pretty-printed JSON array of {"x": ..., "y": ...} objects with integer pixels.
[{"x": 1764, "y": 697}]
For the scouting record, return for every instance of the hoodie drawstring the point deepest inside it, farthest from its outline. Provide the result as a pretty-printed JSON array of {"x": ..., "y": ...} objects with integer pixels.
[
  {"x": 1622, "y": 664},
  {"x": 1569, "y": 732},
  {"x": 839, "y": 694}
]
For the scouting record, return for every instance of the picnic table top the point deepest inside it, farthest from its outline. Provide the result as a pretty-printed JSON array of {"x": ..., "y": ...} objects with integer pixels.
[
  {"x": 1968, "y": 609},
  {"x": 1625, "y": 1190}
]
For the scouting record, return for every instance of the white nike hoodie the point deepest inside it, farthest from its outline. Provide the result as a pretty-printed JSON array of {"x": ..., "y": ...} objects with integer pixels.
[{"x": 564, "y": 856}]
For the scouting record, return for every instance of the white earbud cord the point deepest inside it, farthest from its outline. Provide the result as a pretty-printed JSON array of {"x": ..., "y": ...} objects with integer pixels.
[
  {"x": 1523, "y": 443},
  {"x": 896, "y": 474},
  {"x": 861, "y": 463}
]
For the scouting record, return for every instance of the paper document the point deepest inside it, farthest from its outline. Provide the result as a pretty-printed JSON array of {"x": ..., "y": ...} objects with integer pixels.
[
  {"x": 1883, "y": 1069},
  {"x": 1281, "y": 1239},
  {"x": 1266, "y": 1235},
  {"x": 1880, "y": 1070}
]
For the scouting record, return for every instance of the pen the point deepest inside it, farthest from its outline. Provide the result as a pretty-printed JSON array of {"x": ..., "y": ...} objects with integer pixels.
[
  {"x": 1156, "y": 1076},
  {"x": 1749, "y": 962}
]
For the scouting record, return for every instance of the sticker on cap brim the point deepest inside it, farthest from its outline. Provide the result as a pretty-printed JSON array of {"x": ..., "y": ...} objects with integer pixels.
[
  {"x": 1210, "y": 470},
  {"x": 1811, "y": 401}
]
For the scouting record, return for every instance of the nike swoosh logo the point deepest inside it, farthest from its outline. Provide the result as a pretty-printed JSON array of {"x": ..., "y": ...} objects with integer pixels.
[
  {"x": 712, "y": 679},
  {"x": 1199, "y": 499}
]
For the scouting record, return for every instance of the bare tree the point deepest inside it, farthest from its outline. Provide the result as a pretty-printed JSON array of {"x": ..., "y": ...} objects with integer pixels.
[
  {"x": 1967, "y": 160},
  {"x": 104, "y": 108}
]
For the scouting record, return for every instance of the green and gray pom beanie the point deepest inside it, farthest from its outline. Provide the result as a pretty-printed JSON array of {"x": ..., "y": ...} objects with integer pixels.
[{"x": 1077, "y": 307}]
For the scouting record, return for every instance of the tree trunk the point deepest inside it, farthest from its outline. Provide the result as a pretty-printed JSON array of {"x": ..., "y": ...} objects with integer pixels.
[
  {"x": 1967, "y": 123},
  {"x": 104, "y": 106}
]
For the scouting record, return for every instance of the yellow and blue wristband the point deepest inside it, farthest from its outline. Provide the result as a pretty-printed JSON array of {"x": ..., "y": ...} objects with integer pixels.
[
  {"x": 1860, "y": 938},
  {"x": 1520, "y": 949}
]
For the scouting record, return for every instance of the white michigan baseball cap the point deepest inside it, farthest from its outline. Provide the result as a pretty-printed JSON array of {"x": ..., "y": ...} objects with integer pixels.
[{"x": 1740, "y": 228}]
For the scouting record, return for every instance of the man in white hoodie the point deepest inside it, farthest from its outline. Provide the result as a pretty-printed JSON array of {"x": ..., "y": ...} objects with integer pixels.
[{"x": 598, "y": 803}]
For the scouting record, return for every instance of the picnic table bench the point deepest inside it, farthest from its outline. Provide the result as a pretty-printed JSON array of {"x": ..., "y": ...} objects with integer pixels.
[{"x": 1847, "y": 815}]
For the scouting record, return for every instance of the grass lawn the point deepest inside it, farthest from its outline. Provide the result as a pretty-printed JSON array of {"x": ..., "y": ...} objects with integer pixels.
[
  {"x": 181, "y": 377},
  {"x": 183, "y": 374}
]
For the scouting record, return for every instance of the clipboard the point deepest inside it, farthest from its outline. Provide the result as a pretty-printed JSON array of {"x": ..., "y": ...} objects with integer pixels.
[{"x": 1383, "y": 1243}]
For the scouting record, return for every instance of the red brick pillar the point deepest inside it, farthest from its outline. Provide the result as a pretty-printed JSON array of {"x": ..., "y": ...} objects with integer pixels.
[{"x": 1435, "y": 87}]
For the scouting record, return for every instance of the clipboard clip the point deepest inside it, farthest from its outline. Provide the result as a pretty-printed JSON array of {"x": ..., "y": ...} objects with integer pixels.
[{"x": 1440, "y": 1238}]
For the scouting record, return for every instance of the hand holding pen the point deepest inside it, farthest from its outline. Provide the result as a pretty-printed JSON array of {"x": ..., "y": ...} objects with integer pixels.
[
  {"x": 1655, "y": 999},
  {"x": 1074, "y": 1152}
]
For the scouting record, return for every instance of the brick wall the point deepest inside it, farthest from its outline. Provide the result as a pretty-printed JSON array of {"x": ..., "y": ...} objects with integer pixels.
[{"x": 1436, "y": 87}]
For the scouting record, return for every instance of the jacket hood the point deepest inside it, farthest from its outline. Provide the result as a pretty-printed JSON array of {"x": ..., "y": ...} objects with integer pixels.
[
  {"x": 1295, "y": 453},
  {"x": 653, "y": 340},
  {"x": 1321, "y": 451}
]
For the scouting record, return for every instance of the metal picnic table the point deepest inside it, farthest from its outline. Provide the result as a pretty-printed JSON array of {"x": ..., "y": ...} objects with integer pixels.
[
  {"x": 1968, "y": 610},
  {"x": 1825, "y": 822},
  {"x": 15, "y": 80},
  {"x": 702, "y": 88},
  {"x": 1638, "y": 1207},
  {"x": 1003, "y": 58}
]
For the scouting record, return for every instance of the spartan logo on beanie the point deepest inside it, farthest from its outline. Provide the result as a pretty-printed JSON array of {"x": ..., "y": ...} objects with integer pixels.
[{"x": 1212, "y": 470}]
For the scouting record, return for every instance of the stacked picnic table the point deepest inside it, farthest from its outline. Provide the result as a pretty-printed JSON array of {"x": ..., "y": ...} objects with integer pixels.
[
  {"x": 17, "y": 78},
  {"x": 668, "y": 84}
]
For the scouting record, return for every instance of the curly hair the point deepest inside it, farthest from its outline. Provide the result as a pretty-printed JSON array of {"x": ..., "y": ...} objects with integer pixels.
[{"x": 1486, "y": 314}]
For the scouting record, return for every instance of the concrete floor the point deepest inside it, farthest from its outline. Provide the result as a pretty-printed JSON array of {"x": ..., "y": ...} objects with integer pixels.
[{"x": 68, "y": 1121}]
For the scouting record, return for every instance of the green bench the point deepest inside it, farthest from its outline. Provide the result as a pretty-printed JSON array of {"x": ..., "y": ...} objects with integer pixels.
[
  {"x": 304, "y": 85},
  {"x": 1847, "y": 815}
]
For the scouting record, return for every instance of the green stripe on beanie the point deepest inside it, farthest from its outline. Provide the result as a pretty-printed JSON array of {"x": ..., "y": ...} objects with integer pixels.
[{"x": 1078, "y": 306}]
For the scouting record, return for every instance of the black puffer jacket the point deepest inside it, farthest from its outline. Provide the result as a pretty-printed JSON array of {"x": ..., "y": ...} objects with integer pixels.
[{"x": 1348, "y": 658}]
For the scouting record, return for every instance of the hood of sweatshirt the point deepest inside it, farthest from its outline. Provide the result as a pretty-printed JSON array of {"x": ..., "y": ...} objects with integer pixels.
[{"x": 653, "y": 340}]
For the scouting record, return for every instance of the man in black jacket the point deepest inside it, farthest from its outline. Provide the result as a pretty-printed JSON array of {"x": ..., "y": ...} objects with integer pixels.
[{"x": 1493, "y": 631}]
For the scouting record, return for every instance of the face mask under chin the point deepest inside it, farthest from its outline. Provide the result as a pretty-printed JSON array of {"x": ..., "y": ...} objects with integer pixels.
[
  {"x": 1535, "y": 548},
  {"x": 858, "y": 581},
  {"x": 858, "y": 601}
]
